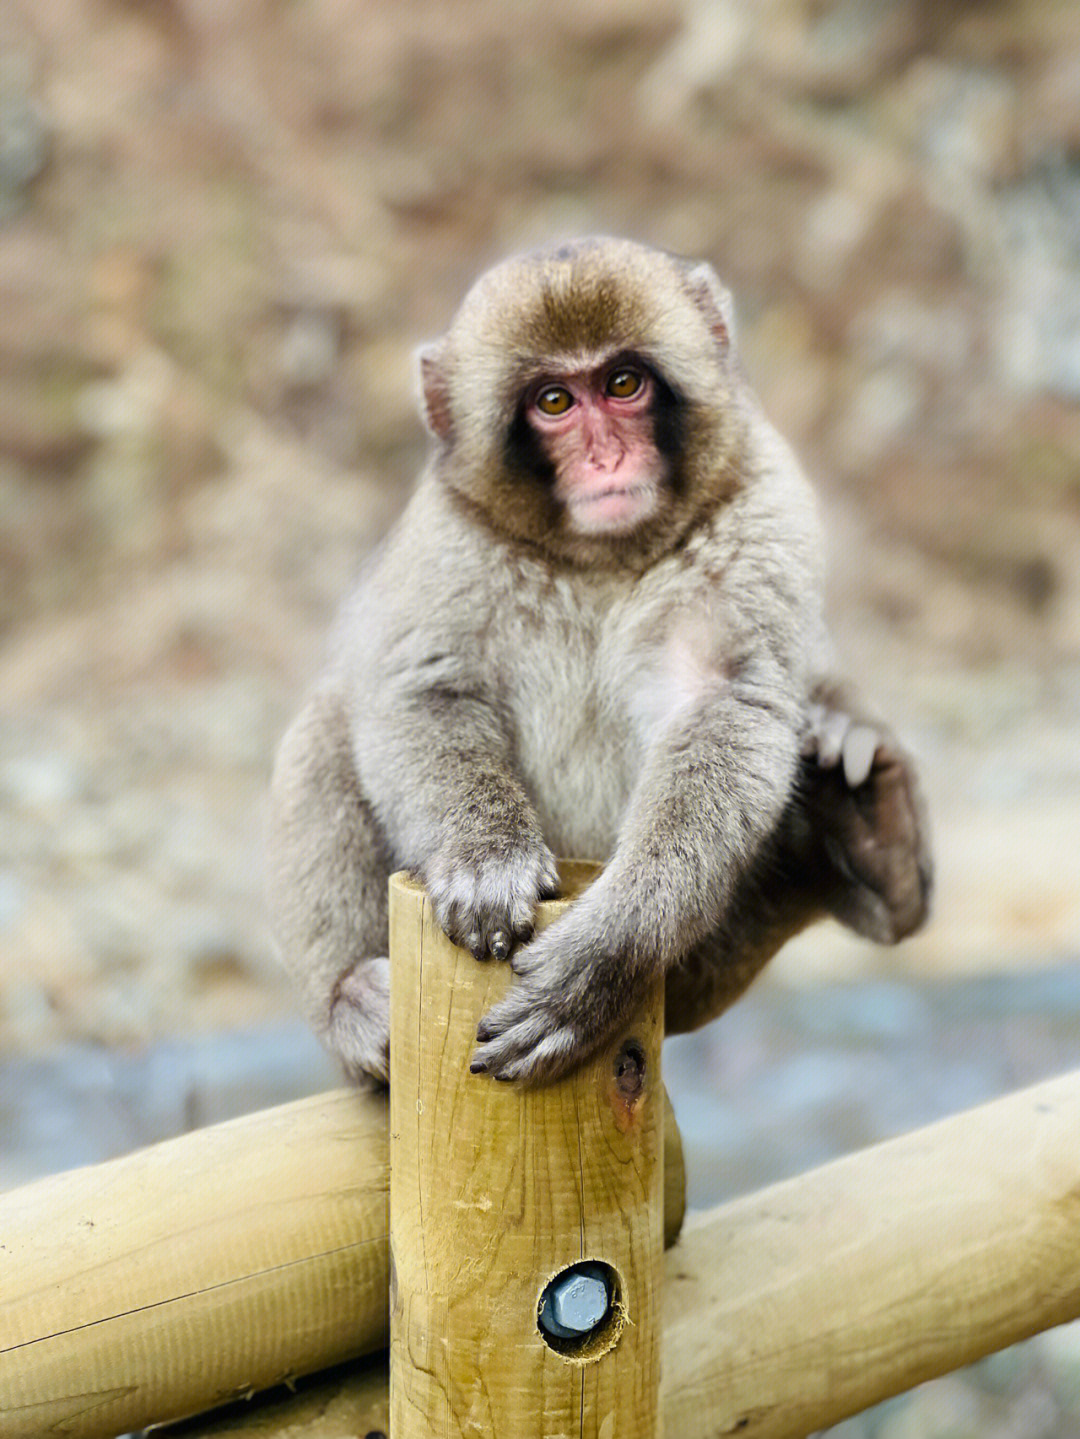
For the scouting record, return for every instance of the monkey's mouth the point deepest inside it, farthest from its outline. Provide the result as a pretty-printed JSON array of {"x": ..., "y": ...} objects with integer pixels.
[{"x": 614, "y": 508}]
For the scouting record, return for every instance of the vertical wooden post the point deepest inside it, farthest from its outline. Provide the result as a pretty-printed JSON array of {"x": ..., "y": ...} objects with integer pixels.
[{"x": 496, "y": 1191}]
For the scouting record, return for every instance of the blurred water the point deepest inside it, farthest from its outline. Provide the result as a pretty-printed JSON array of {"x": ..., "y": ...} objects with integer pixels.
[{"x": 785, "y": 1080}]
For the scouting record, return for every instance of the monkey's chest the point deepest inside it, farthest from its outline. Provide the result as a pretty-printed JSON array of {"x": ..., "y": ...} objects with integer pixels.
[{"x": 576, "y": 750}]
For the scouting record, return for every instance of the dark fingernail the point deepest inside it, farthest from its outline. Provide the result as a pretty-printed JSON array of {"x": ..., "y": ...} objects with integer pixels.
[
  {"x": 483, "y": 1034},
  {"x": 478, "y": 1067},
  {"x": 500, "y": 946}
]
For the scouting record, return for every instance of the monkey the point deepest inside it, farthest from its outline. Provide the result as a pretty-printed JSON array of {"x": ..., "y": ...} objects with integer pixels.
[{"x": 597, "y": 630}]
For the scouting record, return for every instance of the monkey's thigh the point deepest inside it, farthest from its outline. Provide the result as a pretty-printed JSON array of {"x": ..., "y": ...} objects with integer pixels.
[
  {"x": 328, "y": 861},
  {"x": 709, "y": 979}
]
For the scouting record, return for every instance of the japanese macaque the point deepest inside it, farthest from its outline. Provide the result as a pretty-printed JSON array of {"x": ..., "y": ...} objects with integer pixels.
[{"x": 596, "y": 631}]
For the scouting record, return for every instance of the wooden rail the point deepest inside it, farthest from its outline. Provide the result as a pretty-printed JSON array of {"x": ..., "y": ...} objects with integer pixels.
[
  {"x": 229, "y": 1260},
  {"x": 792, "y": 1308},
  {"x": 204, "y": 1268}
]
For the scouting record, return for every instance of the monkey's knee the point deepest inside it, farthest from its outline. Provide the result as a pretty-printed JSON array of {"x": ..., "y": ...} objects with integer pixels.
[{"x": 359, "y": 1029}]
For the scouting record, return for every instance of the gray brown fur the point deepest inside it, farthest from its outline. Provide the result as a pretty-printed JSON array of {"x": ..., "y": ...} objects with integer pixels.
[{"x": 504, "y": 689}]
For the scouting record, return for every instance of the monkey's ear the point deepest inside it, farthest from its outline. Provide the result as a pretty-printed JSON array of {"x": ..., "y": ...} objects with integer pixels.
[
  {"x": 713, "y": 299},
  {"x": 435, "y": 390}
]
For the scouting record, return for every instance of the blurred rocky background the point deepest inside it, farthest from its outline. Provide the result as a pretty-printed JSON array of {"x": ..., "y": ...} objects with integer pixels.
[{"x": 224, "y": 227}]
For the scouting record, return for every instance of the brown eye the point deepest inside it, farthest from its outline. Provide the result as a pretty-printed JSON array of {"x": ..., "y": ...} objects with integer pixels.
[
  {"x": 554, "y": 400},
  {"x": 624, "y": 384}
]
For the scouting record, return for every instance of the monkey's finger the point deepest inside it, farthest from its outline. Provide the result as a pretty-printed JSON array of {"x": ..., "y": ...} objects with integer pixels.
[
  {"x": 526, "y": 1051},
  {"x": 859, "y": 746},
  {"x": 552, "y": 1057},
  {"x": 500, "y": 935},
  {"x": 549, "y": 886},
  {"x": 458, "y": 922},
  {"x": 516, "y": 1010}
]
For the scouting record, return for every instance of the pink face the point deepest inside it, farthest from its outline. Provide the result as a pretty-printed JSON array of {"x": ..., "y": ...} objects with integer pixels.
[{"x": 597, "y": 427}]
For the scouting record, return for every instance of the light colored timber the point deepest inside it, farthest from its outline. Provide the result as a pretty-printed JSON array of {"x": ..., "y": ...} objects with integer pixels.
[
  {"x": 204, "y": 1268},
  {"x": 495, "y": 1190},
  {"x": 194, "y": 1271},
  {"x": 792, "y": 1308}
]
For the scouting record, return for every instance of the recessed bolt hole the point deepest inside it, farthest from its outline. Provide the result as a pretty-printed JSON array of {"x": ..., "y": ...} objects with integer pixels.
[{"x": 577, "y": 1304}]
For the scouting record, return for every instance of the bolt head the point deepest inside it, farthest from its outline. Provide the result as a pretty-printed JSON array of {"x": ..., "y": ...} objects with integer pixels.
[{"x": 575, "y": 1302}]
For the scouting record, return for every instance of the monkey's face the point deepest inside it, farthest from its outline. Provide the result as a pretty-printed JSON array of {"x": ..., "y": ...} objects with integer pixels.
[
  {"x": 597, "y": 430},
  {"x": 585, "y": 401}
]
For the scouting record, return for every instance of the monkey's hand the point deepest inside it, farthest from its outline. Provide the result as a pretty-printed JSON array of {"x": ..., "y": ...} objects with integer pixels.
[
  {"x": 864, "y": 816},
  {"x": 572, "y": 987},
  {"x": 485, "y": 889}
]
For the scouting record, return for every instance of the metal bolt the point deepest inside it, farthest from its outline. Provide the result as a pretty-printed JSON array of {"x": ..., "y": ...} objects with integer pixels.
[{"x": 576, "y": 1301}]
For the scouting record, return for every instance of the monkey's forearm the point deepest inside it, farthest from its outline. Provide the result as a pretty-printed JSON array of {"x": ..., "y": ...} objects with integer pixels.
[
  {"x": 456, "y": 812},
  {"x": 440, "y": 765},
  {"x": 712, "y": 793}
]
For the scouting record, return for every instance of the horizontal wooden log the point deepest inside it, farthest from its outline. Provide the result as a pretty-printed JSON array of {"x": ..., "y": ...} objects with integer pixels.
[
  {"x": 194, "y": 1271},
  {"x": 204, "y": 1268},
  {"x": 790, "y": 1309}
]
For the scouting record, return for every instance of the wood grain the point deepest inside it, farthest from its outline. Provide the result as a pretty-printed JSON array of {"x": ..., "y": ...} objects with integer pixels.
[
  {"x": 790, "y": 1309},
  {"x": 495, "y": 1189}
]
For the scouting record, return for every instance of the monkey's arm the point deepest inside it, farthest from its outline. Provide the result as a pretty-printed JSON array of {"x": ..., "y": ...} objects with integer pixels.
[
  {"x": 853, "y": 843},
  {"x": 451, "y": 804},
  {"x": 712, "y": 790}
]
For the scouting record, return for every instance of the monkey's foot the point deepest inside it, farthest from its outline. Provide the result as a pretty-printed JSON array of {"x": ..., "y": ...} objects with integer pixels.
[
  {"x": 359, "y": 1029},
  {"x": 862, "y": 800},
  {"x": 486, "y": 901}
]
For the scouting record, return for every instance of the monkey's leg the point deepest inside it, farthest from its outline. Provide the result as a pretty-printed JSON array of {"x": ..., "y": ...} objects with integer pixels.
[
  {"x": 853, "y": 843},
  {"x": 328, "y": 875}
]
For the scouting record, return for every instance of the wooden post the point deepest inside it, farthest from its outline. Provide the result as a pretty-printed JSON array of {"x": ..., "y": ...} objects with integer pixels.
[{"x": 496, "y": 1191}]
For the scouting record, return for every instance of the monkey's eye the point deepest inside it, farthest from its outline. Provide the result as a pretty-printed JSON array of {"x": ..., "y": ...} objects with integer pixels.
[
  {"x": 624, "y": 383},
  {"x": 554, "y": 400}
]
